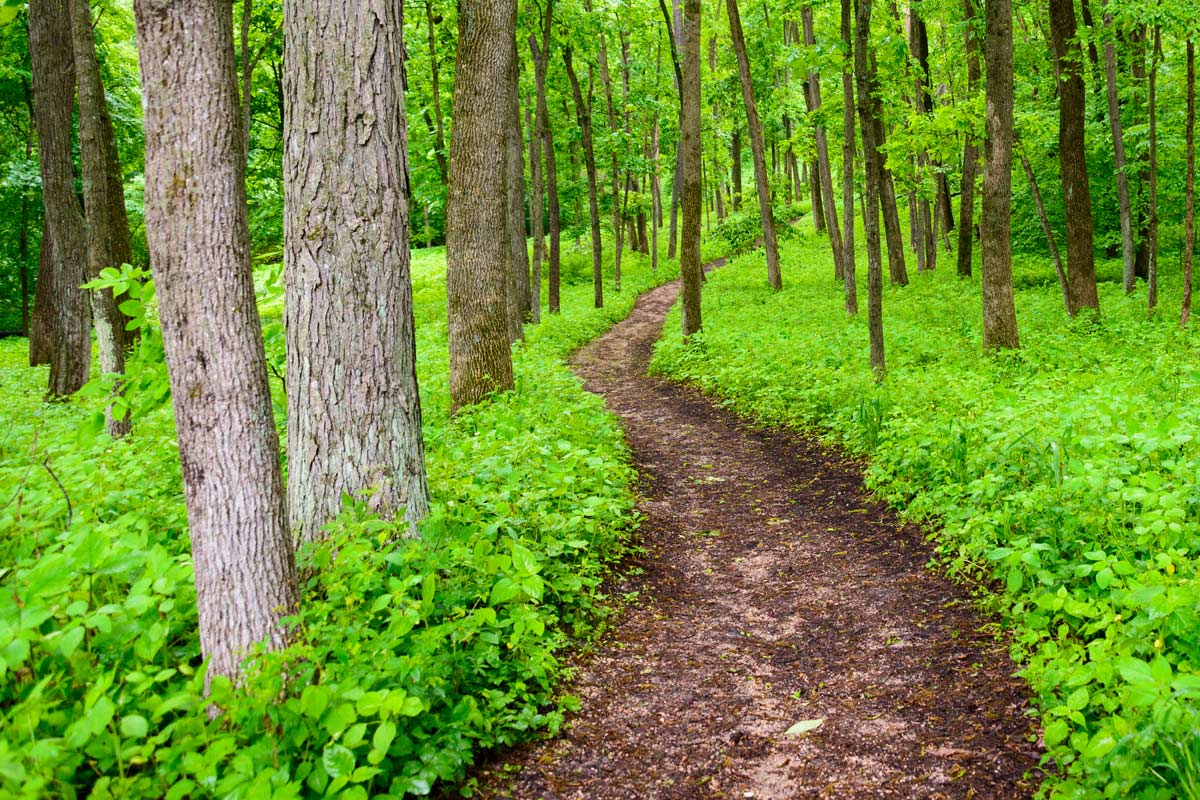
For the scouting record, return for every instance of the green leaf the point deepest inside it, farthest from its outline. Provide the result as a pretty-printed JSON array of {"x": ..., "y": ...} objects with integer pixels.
[
  {"x": 385, "y": 734},
  {"x": 338, "y": 761},
  {"x": 134, "y": 726}
]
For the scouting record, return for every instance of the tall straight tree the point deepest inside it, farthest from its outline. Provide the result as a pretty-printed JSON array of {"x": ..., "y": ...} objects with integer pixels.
[
  {"x": 966, "y": 208},
  {"x": 754, "y": 126},
  {"x": 868, "y": 111},
  {"x": 477, "y": 239},
  {"x": 822, "y": 142},
  {"x": 514, "y": 189},
  {"x": 53, "y": 68},
  {"x": 690, "y": 268},
  {"x": 545, "y": 133},
  {"x": 848, "y": 256},
  {"x": 1125, "y": 208},
  {"x": 199, "y": 249},
  {"x": 1189, "y": 213},
  {"x": 537, "y": 222},
  {"x": 1072, "y": 157},
  {"x": 354, "y": 415},
  {"x": 613, "y": 151},
  {"x": 436, "y": 88},
  {"x": 1152, "y": 189},
  {"x": 104, "y": 201},
  {"x": 999, "y": 308},
  {"x": 583, "y": 112}
]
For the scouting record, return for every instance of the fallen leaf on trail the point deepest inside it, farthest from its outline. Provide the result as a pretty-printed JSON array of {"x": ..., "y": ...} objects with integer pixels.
[{"x": 804, "y": 726}]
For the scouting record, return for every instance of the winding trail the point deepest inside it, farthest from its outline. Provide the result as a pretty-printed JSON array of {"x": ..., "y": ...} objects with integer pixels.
[{"x": 773, "y": 589}]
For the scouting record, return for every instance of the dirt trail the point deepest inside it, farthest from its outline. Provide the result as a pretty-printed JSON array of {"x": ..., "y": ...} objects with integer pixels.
[{"x": 773, "y": 590}]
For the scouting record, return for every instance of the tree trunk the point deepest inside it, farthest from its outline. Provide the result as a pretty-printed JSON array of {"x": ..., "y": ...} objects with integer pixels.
[
  {"x": 897, "y": 272},
  {"x": 847, "y": 265},
  {"x": 545, "y": 132},
  {"x": 41, "y": 324},
  {"x": 53, "y": 70},
  {"x": 514, "y": 186},
  {"x": 1129, "y": 275},
  {"x": 199, "y": 248},
  {"x": 655, "y": 197},
  {"x": 23, "y": 237},
  {"x": 537, "y": 204},
  {"x": 925, "y": 246},
  {"x": 1152, "y": 223},
  {"x": 674, "y": 23},
  {"x": 995, "y": 220},
  {"x": 614, "y": 167},
  {"x": 354, "y": 414},
  {"x": 868, "y": 109},
  {"x": 966, "y": 208},
  {"x": 1189, "y": 214},
  {"x": 1072, "y": 157},
  {"x": 1141, "y": 265},
  {"x": 107, "y": 227},
  {"x": 823, "y": 169},
  {"x": 477, "y": 238},
  {"x": 435, "y": 85},
  {"x": 583, "y": 113},
  {"x": 1048, "y": 231},
  {"x": 690, "y": 268},
  {"x": 754, "y": 126},
  {"x": 736, "y": 156}
]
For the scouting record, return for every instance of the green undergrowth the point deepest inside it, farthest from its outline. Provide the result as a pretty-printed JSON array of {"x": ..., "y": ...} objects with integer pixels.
[
  {"x": 409, "y": 655},
  {"x": 1062, "y": 479}
]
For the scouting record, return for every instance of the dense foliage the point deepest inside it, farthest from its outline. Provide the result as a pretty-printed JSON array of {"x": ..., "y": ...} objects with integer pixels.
[
  {"x": 1062, "y": 478},
  {"x": 410, "y": 654}
]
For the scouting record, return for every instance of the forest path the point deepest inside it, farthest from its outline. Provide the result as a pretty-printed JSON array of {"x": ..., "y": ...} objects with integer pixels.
[{"x": 773, "y": 589}]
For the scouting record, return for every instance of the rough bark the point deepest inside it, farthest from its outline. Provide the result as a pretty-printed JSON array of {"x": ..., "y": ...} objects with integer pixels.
[
  {"x": 514, "y": 187},
  {"x": 53, "y": 71},
  {"x": 107, "y": 227},
  {"x": 545, "y": 132},
  {"x": 848, "y": 256},
  {"x": 354, "y": 415},
  {"x": 477, "y": 242},
  {"x": 689, "y": 101},
  {"x": 999, "y": 307},
  {"x": 1129, "y": 274},
  {"x": 197, "y": 232},
  {"x": 537, "y": 204},
  {"x": 868, "y": 108},
  {"x": 966, "y": 208},
  {"x": 41, "y": 323},
  {"x": 754, "y": 127},
  {"x": 823, "y": 169},
  {"x": 1072, "y": 157},
  {"x": 583, "y": 113}
]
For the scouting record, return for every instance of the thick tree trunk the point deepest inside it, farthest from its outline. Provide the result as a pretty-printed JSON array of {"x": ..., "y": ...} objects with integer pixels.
[
  {"x": 53, "y": 70},
  {"x": 1189, "y": 214},
  {"x": 868, "y": 109},
  {"x": 354, "y": 415},
  {"x": 583, "y": 113},
  {"x": 545, "y": 132},
  {"x": 1152, "y": 213},
  {"x": 514, "y": 187},
  {"x": 823, "y": 169},
  {"x": 966, "y": 208},
  {"x": 537, "y": 204},
  {"x": 847, "y": 266},
  {"x": 104, "y": 200},
  {"x": 1072, "y": 158},
  {"x": 197, "y": 232},
  {"x": 754, "y": 126},
  {"x": 1129, "y": 274},
  {"x": 477, "y": 239},
  {"x": 436, "y": 87},
  {"x": 999, "y": 307},
  {"x": 690, "y": 268},
  {"x": 1048, "y": 232}
]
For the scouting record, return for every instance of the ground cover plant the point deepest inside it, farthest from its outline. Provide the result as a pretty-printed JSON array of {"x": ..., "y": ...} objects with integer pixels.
[
  {"x": 1061, "y": 477},
  {"x": 411, "y": 655}
]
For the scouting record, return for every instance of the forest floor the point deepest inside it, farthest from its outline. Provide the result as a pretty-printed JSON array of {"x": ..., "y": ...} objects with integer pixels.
[{"x": 772, "y": 589}]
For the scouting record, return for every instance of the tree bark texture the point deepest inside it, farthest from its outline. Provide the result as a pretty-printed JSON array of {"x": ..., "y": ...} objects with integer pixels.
[
  {"x": 1072, "y": 157},
  {"x": 690, "y": 267},
  {"x": 107, "y": 227},
  {"x": 995, "y": 221},
  {"x": 53, "y": 69},
  {"x": 754, "y": 127},
  {"x": 41, "y": 323},
  {"x": 197, "y": 232},
  {"x": 477, "y": 241},
  {"x": 354, "y": 415}
]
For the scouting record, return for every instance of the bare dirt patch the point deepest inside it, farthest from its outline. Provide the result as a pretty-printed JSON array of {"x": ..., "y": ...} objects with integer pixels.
[{"x": 773, "y": 589}]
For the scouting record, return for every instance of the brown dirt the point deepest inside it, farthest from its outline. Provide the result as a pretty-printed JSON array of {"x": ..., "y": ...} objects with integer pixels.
[{"x": 773, "y": 589}]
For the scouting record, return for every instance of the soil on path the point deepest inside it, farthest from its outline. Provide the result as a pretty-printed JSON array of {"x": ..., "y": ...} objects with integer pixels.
[{"x": 773, "y": 589}]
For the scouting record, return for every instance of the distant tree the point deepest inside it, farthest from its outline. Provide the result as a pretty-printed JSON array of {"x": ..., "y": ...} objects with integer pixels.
[
  {"x": 868, "y": 112},
  {"x": 823, "y": 169},
  {"x": 477, "y": 238},
  {"x": 848, "y": 255},
  {"x": 583, "y": 113},
  {"x": 514, "y": 191},
  {"x": 966, "y": 208},
  {"x": 545, "y": 133},
  {"x": 199, "y": 249},
  {"x": 690, "y": 268}
]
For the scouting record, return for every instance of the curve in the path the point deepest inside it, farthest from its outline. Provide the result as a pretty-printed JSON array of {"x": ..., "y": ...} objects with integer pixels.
[{"x": 774, "y": 589}]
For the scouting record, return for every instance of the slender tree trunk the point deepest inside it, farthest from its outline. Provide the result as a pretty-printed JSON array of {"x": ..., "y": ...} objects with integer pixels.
[
  {"x": 107, "y": 227},
  {"x": 435, "y": 85},
  {"x": 736, "y": 156},
  {"x": 925, "y": 246},
  {"x": 1072, "y": 155},
  {"x": 1141, "y": 266},
  {"x": 541, "y": 57},
  {"x": 23, "y": 236},
  {"x": 655, "y": 197},
  {"x": 1129, "y": 275},
  {"x": 354, "y": 414},
  {"x": 53, "y": 70},
  {"x": 583, "y": 114},
  {"x": 868, "y": 108},
  {"x": 199, "y": 248},
  {"x": 1048, "y": 231},
  {"x": 966, "y": 208},
  {"x": 674, "y": 24},
  {"x": 477, "y": 239},
  {"x": 999, "y": 307},
  {"x": 514, "y": 186},
  {"x": 1189, "y": 214},
  {"x": 824, "y": 172},
  {"x": 614, "y": 167},
  {"x": 537, "y": 204},
  {"x": 847, "y": 265},
  {"x": 897, "y": 272},
  {"x": 1152, "y": 232},
  {"x": 774, "y": 278},
  {"x": 689, "y": 100}
]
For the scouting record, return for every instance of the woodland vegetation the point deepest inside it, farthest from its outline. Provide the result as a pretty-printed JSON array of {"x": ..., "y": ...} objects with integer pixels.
[{"x": 298, "y": 495}]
